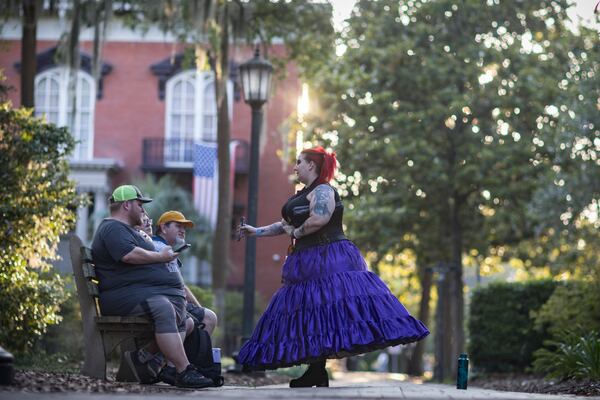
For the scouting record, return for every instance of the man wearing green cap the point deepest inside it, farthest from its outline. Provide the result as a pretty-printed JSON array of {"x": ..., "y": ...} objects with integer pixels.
[{"x": 135, "y": 281}]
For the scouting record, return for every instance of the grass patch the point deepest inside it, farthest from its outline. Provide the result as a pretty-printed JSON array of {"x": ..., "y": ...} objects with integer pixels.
[{"x": 55, "y": 362}]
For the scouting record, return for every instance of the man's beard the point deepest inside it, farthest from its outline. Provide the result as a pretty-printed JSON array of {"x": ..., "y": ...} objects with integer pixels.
[{"x": 136, "y": 220}]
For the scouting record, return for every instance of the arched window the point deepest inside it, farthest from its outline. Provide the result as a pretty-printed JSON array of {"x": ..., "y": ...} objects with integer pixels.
[
  {"x": 191, "y": 114},
  {"x": 53, "y": 101}
]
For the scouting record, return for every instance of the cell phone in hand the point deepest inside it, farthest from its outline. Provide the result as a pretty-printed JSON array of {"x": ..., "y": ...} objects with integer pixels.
[
  {"x": 182, "y": 247},
  {"x": 242, "y": 223}
]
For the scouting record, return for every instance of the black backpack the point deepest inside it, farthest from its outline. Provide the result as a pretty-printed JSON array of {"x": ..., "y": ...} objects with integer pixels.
[{"x": 198, "y": 349}]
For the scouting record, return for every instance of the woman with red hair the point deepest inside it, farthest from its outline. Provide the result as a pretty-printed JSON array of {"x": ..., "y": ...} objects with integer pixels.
[{"x": 330, "y": 305}]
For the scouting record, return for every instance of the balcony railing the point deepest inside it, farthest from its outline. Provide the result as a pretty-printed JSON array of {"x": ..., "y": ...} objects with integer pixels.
[{"x": 160, "y": 154}]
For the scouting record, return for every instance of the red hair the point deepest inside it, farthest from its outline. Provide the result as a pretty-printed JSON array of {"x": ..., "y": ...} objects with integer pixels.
[{"x": 325, "y": 161}]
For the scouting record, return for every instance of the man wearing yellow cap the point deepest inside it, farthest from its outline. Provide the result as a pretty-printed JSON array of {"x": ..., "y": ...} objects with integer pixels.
[
  {"x": 171, "y": 232},
  {"x": 134, "y": 281}
]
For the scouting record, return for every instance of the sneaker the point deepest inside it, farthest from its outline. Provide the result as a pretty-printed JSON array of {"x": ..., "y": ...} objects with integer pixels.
[
  {"x": 141, "y": 371},
  {"x": 167, "y": 375},
  {"x": 156, "y": 364},
  {"x": 191, "y": 378}
]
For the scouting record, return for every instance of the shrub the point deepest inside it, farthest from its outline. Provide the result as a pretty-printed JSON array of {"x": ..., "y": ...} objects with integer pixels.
[
  {"x": 572, "y": 316},
  {"x": 570, "y": 356},
  {"x": 65, "y": 339},
  {"x": 573, "y": 307},
  {"x": 204, "y": 296},
  {"x": 503, "y": 336},
  {"x": 37, "y": 205}
]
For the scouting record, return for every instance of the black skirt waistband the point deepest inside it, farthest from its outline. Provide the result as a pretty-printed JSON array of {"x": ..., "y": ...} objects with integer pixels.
[{"x": 318, "y": 240}]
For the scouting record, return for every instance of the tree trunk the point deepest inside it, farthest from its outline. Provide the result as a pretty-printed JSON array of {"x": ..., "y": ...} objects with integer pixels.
[
  {"x": 450, "y": 332},
  {"x": 28, "y": 52},
  {"x": 443, "y": 326},
  {"x": 415, "y": 366},
  {"x": 221, "y": 243},
  {"x": 456, "y": 288},
  {"x": 102, "y": 16},
  {"x": 74, "y": 62}
]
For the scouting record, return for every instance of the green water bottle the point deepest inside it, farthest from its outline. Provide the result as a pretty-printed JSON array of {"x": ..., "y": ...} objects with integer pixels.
[{"x": 462, "y": 373}]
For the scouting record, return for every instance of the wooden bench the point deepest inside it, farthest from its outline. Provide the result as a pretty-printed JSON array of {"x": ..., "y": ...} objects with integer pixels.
[{"x": 102, "y": 334}]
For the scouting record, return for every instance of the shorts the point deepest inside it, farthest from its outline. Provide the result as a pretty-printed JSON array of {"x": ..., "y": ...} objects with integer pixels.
[
  {"x": 196, "y": 312},
  {"x": 166, "y": 312}
]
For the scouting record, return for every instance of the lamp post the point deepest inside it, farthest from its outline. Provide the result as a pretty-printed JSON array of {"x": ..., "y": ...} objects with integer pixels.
[{"x": 256, "y": 83}]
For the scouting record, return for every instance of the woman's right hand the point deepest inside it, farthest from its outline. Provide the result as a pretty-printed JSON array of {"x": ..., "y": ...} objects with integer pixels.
[{"x": 246, "y": 230}]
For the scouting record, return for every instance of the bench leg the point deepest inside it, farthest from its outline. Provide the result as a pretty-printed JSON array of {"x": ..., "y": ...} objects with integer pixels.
[
  {"x": 125, "y": 374},
  {"x": 94, "y": 364}
]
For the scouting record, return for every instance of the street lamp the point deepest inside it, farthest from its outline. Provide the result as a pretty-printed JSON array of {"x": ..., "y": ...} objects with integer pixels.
[{"x": 256, "y": 83}]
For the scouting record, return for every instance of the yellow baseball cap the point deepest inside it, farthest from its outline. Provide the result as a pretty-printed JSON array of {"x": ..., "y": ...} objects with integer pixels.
[{"x": 175, "y": 216}]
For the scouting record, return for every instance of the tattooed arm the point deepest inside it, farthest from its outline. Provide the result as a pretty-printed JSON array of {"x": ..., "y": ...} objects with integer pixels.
[
  {"x": 269, "y": 230},
  {"x": 322, "y": 205}
]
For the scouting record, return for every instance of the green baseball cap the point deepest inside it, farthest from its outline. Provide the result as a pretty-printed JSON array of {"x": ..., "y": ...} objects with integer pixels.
[{"x": 128, "y": 192}]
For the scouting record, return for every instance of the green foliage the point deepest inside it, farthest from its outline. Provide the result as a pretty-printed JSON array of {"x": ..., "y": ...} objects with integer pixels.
[
  {"x": 37, "y": 203},
  {"x": 503, "y": 335},
  {"x": 438, "y": 110},
  {"x": 60, "y": 348},
  {"x": 573, "y": 250},
  {"x": 570, "y": 356},
  {"x": 234, "y": 305},
  {"x": 573, "y": 127},
  {"x": 65, "y": 339},
  {"x": 204, "y": 296},
  {"x": 573, "y": 307},
  {"x": 167, "y": 195},
  {"x": 304, "y": 26}
]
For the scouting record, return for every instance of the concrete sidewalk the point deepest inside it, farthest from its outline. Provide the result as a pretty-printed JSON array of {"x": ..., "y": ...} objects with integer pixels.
[
  {"x": 390, "y": 390},
  {"x": 386, "y": 386}
]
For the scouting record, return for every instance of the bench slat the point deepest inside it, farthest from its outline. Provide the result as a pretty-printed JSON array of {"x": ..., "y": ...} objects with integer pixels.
[
  {"x": 89, "y": 270},
  {"x": 114, "y": 324},
  {"x": 122, "y": 320},
  {"x": 93, "y": 289},
  {"x": 86, "y": 255}
]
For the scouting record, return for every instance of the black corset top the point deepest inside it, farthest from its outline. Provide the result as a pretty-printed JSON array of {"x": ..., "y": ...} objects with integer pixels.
[{"x": 297, "y": 210}]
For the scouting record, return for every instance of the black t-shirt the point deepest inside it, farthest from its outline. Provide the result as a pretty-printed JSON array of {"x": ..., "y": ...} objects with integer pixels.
[{"x": 123, "y": 286}]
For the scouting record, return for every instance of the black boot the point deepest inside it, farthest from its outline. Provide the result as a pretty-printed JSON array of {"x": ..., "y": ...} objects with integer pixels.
[{"x": 315, "y": 375}]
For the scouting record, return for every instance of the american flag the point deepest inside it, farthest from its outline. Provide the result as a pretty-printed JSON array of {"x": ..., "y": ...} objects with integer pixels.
[{"x": 206, "y": 181}]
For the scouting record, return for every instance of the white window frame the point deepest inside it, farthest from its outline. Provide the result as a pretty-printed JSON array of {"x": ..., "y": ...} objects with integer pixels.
[
  {"x": 61, "y": 74},
  {"x": 199, "y": 80}
]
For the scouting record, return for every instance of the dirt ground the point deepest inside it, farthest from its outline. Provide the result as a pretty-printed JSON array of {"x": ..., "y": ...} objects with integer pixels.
[
  {"x": 37, "y": 381},
  {"x": 536, "y": 384}
]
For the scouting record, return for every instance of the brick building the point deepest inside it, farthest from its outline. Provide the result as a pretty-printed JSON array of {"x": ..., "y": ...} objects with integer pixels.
[{"x": 143, "y": 116}]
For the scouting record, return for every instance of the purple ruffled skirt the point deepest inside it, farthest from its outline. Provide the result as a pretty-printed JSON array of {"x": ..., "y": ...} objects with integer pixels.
[{"x": 329, "y": 306}]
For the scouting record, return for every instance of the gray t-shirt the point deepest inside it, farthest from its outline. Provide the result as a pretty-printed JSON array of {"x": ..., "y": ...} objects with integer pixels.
[{"x": 123, "y": 286}]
